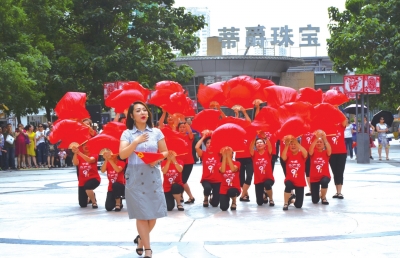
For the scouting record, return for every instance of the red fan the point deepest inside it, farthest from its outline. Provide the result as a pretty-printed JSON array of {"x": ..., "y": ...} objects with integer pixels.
[
  {"x": 160, "y": 98},
  {"x": 72, "y": 106},
  {"x": 334, "y": 97},
  {"x": 310, "y": 95},
  {"x": 149, "y": 157},
  {"x": 108, "y": 100},
  {"x": 68, "y": 131},
  {"x": 103, "y": 141},
  {"x": 208, "y": 94},
  {"x": 229, "y": 134},
  {"x": 234, "y": 120},
  {"x": 279, "y": 95},
  {"x": 169, "y": 85},
  {"x": 260, "y": 92},
  {"x": 326, "y": 117},
  {"x": 114, "y": 129},
  {"x": 294, "y": 126},
  {"x": 240, "y": 91},
  {"x": 207, "y": 119},
  {"x": 189, "y": 111},
  {"x": 169, "y": 133},
  {"x": 177, "y": 103},
  {"x": 299, "y": 108},
  {"x": 132, "y": 85},
  {"x": 269, "y": 115},
  {"x": 123, "y": 100},
  {"x": 178, "y": 145}
]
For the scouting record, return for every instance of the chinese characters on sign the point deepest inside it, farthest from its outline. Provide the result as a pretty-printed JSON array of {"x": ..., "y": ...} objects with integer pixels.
[
  {"x": 255, "y": 36},
  {"x": 369, "y": 84}
]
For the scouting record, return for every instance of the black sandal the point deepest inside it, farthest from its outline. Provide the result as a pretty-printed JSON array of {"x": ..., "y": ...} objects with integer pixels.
[
  {"x": 189, "y": 201},
  {"x": 94, "y": 206},
  {"x": 136, "y": 241},
  {"x": 233, "y": 208},
  {"x": 324, "y": 201},
  {"x": 285, "y": 207},
  {"x": 271, "y": 202},
  {"x": 244, "y": 199},
  {"x": 340, "y": 196},
  {"x": 205, "y": 203},
  {"x": 147, "y": 255},
  {"x": 117, "y": 208},
  {"x": 308, "y": 194},
  {"x": 181, "y": 207}
]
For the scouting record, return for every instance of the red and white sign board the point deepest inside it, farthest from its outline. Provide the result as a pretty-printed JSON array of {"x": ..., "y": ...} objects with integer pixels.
[{"x": 368, "y": 84}]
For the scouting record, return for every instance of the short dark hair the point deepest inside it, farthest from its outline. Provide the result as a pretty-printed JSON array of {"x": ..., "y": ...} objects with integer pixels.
[
  {"x": 180, "y": 123},
  {"x": 207, "y": 139},
  {"x": 129, "y": 120}
]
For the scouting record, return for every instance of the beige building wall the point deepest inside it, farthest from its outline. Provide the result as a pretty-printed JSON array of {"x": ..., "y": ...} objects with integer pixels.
[
  {"x": 214, "y": 47},
  {"x": 297, "y": 80}
]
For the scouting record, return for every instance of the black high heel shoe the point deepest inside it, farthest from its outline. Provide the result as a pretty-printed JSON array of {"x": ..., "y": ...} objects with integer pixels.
[
  {"x": 147, "y": 255},
  {"x": 189, "y": 201},
  {"x": 136, "y": 241}
]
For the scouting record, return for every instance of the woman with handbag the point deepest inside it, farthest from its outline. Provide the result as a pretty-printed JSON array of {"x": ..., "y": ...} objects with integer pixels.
[
  {"x": 30, "y": 148},
  {"x": 20, "y": 145}
]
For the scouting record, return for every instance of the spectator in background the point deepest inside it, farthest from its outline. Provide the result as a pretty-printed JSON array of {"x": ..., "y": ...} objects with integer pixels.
[
  {"x": 354, "y": 135},
  {"x": 41, "y": 146},
  {"x": 348, "y": 137},
  {"x": 51, "y": 149},
  {"x": 1, "y": 147},
  {"x": 20, "y": 145},
  {"x": 30, "y": 148},
  {"x": 9, "y": 153},
  {"x": 62, "y": 155}
]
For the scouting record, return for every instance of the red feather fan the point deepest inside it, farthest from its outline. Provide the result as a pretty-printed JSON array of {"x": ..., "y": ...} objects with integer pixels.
[
  {"x": 102, "y": 141},
  {"x": 68, "y": 131},
  {"x": 178, "y": 103},
  {"x": 334, "y": 97},
  {"x": 178, "y": 145},
  {"x": 123, "y": 100},
  {"x": 229, "y": 134},
  {"x": 234, "y": 120},
  {"x": 294, "y": 126},
  {"x": 160, "y": 98},
  {"x": 240, "y": 91},
  {"x": 210, "y": 93},
  {"x": 279, "y": 95},
  {"x": 114, "y": 129},
  {"x": 264, "y": 83},
  {"x": 132, "y": 85},
  {"x": 207, "y": 119},
  {"x": 108, "y": 100},
  {"x": 310, "y": 95},
  {"x": 291, "y": 109},
  {"x": 325, "y": 117},
  {"x": 169, "y": 86},
  {"x": 72, "y": 106}
]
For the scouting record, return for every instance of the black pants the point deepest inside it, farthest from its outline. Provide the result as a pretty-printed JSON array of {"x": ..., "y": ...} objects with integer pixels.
[
  {"x": 308, "y": 166},
  {"x": 315, "y": 188},
  {"x": 283, "y": 165},
  {"x": 82, "y": 196},
  {"x": 260, "y": 190},
  {"x": 212, "y": 188},
  {"x": 187, "y": 169},
  {"x": 169, "y": 196},
  {"x": 246, "y": 171},
  {"x": 338, "y": 164},
  {"x": 225, "y": 198},
  {"x": 299, "y": 191},
  {"x": 118, "y": 190}
]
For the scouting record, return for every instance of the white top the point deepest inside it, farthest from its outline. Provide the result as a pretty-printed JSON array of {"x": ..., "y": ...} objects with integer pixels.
[
  {"x": 41, "y": 139},
  {"x": 381, "y": 127},
  {"x": 347, "y": 131}
]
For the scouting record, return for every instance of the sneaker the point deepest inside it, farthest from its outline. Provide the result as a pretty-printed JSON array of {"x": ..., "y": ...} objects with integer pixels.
[{"x": 371, "y": 157}]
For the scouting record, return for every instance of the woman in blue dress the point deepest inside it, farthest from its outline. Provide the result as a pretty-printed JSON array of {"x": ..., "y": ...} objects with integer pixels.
[{"x": 144, "y": 194}]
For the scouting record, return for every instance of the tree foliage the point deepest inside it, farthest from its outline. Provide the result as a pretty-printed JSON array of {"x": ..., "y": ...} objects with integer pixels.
[
  {"x": 75, "y": 45},
  {"x": 365, "y": 37}
]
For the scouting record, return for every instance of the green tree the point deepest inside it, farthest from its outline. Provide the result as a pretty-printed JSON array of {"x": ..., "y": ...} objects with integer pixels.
[
  {"x": 123, "y": 40},
  {"x": 21, "y": 64},
  {"x": 365, "y": 37}
]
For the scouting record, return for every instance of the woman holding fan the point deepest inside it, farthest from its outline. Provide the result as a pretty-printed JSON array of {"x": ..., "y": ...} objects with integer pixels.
[
  {"x": 230, "y": 181},
  {"x": 210, "y": 179},
  {"x": 294, "y": 156},
  {"x": 173, "y": 185},
  {"x": 263, "y": 177}
]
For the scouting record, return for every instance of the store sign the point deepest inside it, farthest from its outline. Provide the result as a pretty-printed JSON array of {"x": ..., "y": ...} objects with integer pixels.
[
  {"x": 281, "y": 36},
  {"x": 367, "y": 84}
]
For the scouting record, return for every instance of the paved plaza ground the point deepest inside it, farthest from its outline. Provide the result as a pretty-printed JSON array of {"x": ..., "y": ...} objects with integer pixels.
[{"x": 40, "y": 217}]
